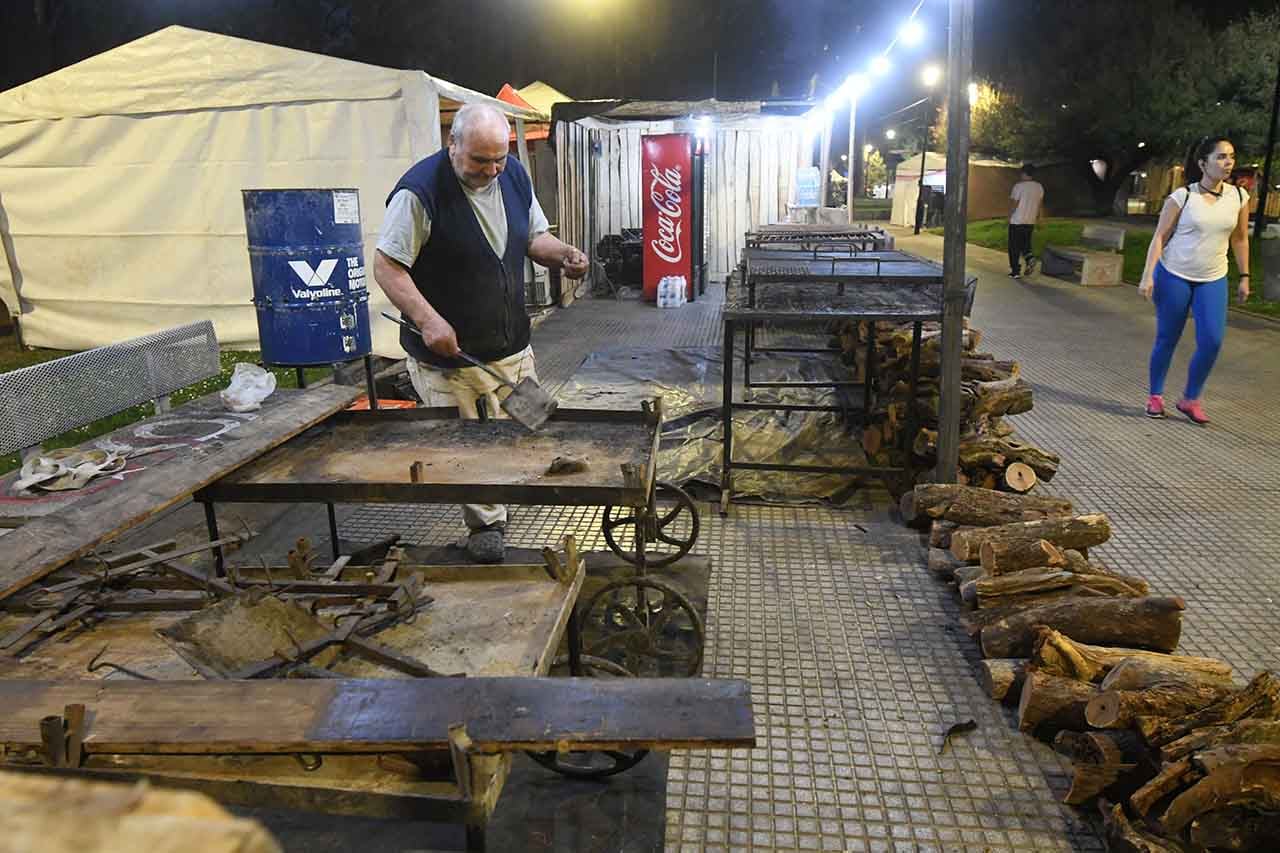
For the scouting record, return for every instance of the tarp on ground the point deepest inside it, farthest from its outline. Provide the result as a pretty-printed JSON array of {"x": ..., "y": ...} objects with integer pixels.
[
  {"x": 120, "y": 177},
  {"x": 688, "y": 379}
]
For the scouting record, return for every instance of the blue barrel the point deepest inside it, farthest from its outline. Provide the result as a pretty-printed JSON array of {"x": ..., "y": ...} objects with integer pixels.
[{"x": 306, "y": 255}]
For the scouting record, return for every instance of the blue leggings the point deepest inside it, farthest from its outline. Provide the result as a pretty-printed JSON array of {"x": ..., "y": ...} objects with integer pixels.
[{"x": 1207, "y": 302}]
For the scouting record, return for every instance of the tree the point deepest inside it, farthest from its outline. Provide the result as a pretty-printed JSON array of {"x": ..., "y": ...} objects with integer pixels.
[
  {"x": 877, "y": 173},
  {"x": 999, "y": 126}
]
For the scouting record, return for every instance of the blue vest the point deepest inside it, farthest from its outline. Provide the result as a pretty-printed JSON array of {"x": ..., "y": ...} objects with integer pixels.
[{"x": 480, "y": 293}]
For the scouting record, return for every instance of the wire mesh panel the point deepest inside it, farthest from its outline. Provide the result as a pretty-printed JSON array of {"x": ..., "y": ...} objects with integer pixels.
[{"x": 48, "y": 399}]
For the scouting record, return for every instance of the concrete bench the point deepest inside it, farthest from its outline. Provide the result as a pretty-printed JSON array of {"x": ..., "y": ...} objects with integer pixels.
[
  {"x": 45, "y": 400},
  {"x": 1099, "y": 259}
]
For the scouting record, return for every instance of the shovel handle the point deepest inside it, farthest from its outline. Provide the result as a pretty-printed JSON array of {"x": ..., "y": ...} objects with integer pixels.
[{"x": 475, "y": 361}]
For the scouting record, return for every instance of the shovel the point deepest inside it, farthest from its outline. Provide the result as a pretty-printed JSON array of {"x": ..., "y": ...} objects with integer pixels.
[{"x": 528, "y": 403}]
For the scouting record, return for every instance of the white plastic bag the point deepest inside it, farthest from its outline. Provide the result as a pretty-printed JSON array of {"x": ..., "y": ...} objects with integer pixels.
[{"x": 250, "y": 385}]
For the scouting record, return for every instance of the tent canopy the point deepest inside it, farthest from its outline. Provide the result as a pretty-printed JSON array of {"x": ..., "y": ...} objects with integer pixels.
[{"x": 120, "y": 205}]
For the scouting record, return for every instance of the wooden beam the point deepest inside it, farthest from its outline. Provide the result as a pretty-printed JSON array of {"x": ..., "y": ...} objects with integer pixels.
[
  {"x": 386, "y": 715},
  {"x": 45, "y": 544}
]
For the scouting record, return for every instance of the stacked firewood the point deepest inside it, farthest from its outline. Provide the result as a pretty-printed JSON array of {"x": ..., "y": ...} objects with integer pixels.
[
  {"x": 989, "y": 455},
  {"x": 1176, "y": 755}
]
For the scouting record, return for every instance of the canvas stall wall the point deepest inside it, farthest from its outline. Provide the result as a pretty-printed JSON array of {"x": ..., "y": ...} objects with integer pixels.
[
  {"x": 118, "y": 225},
  {"x": 750, "y": 179}
]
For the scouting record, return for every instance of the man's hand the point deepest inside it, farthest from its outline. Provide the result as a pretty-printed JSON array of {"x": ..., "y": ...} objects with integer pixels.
[
  {"x": 439, "y": 336},
  {"x": 573, "y": 263}
]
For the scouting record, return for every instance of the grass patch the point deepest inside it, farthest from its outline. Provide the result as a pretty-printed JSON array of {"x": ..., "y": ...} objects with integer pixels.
[
  {"x": 12, "y": 358},
  {"x": 994, "y": 234}
]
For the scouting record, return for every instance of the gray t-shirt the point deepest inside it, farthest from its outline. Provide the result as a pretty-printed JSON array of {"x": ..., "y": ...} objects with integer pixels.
[{"x": 406, "y": 226}]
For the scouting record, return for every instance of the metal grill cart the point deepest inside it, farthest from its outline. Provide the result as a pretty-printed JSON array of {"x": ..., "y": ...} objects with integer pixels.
[
  {"x": 858, "y": 238},
  {"x": 580, "y": 457},
  {"x": 819, "y": 289}
]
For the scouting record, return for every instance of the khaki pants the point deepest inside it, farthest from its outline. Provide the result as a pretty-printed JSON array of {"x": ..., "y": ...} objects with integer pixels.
[{"x": 462, "y": 387}]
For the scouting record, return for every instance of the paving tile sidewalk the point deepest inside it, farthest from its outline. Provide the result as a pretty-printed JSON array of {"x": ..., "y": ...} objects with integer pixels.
[{"x": 856, "y": 664}]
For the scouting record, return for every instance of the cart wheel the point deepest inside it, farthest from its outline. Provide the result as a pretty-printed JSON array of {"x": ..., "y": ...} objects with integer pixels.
[
  {"x": 646, "y": 626},
  {"x": 590, "y": 765},
  {"x": 670, "y": 523}
]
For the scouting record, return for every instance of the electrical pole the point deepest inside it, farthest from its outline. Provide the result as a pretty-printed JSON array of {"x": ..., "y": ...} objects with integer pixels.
[
  {"x": 959, "y": 67},
  {"x": 850, "y": 191}
]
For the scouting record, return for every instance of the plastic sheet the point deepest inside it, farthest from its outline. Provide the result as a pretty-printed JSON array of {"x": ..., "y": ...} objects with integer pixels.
[{"x": 689, "y": 381}]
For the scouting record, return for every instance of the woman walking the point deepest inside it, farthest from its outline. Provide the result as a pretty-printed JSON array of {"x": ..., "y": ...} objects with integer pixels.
[{"x": 1186, "y": 271}]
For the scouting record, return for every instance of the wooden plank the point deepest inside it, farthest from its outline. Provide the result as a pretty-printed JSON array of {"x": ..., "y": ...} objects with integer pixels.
[
  {"x": 386, "y": 715},
  {"x": 43, "y": 545}
]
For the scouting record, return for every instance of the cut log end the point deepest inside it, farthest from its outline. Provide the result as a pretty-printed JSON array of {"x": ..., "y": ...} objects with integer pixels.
[
  {"x": 1020, "y": 477},
  {"x": 1103, "y": 710}
]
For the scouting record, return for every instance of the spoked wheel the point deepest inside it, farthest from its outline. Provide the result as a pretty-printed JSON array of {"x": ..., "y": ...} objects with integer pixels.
[
  {"x": 590, "y": 765},
  {"x": 646, "y": 626},
  {"x": 668, "y": 527}
]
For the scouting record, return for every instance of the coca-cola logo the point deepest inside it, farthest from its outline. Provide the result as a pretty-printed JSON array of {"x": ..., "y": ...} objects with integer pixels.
[{"x": 664, "y": 194}]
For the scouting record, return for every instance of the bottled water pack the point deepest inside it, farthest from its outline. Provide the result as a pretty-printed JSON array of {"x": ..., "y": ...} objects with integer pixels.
[{"x": 672, "y": 291}]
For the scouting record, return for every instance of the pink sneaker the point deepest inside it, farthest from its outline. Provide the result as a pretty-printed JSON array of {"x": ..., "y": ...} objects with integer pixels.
[
  {"x": 1191, "y": 408},
  {"x": 1155, "y": 406}
]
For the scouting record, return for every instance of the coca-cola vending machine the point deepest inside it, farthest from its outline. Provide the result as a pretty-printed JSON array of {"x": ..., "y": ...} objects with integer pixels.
[{"x": 672, "y": 197}]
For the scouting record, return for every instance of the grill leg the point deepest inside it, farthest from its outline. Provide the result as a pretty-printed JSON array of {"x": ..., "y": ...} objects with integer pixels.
[
  {"x": 211, "y": 522},
  {"x": 333, "y": 531},
  {"x": 372, "y": 386},
  {"x": 726, "y": 419}
]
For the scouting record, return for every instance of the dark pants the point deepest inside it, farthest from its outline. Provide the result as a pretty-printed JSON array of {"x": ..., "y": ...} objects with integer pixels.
[{"x": 1019, "y": 246}]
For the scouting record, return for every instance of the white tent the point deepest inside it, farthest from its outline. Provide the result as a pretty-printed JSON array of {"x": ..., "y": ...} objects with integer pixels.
[{"x": 120, "y": 176}]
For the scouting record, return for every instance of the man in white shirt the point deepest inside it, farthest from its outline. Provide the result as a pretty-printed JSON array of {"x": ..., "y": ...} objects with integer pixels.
[
  {"x": 451, "y": 257},
  {"x": 1027, "y": 196}
]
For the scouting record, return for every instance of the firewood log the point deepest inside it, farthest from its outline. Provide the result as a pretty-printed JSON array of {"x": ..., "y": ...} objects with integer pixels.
[
  {"x": 1049, "y": 703},
  {"x": 940, "y": 533},
  {"x": 1172, "y": 777},
  {"x": 1019, "y": 477},
  {"x": 1235, "y": 828},
  {"x": 1031, "y": 586},
  {"x": 942, "y": 564},
  {"x": 1111, "y": 763},
  {"x": 1117, "y": 709},
  {"x": 1141, "y": 673},
  {"x": 1056, "y": 653},
  {"x": 977, "y": 507},
  {"x": 1153, "y": 623},
  {"x": 1234, "y": 775},
  {"x": 1077, "y": 532},
  {"x": 1011, "y": 396},
  {"x": 1078, "y": 563},
  {"x": 1242, "y": 731},
  {"x": 1124, "y": 837},
  {"x": 1011, "y": 555},
  {"x": 1260, "y": 700},
  {"x": 1002, "y": 678},
  {"x": 966, "y": 573}
]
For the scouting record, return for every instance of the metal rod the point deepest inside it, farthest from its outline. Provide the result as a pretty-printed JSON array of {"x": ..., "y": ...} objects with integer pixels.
[
  {"x": 211, "y": 522},
  {"x": 302, "y": 376},
  {"x": 333, "y": 531},
  {"x": 909, "y": 437},
  {"x": 924, "y": 149},
  {"x": 726, "y": 418},
  {"x": 369, "y": 381},
  {"x": 786, "y": 407},
  {"x": 850, "y": 192},
  {"x": 869, "y": 371},
  {"x": 817, "y": 469},
  {"x": 959, "y": 68}
]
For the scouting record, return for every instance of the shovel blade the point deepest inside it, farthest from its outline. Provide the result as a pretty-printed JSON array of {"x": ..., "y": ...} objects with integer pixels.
[{"x": 529, "y": 404}]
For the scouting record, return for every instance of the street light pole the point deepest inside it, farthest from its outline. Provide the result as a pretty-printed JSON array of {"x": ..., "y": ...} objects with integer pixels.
[
  {"x": 924, "y": 149},
  {"x": 1261, "y": 221},
  {"x": 849, "y": 193}
]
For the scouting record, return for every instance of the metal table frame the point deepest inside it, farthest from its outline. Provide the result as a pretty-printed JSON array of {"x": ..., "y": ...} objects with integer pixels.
[{"x": 749, "y": 317}]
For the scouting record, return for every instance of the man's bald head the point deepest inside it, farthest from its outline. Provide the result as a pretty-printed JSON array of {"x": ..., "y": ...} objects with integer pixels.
[{"x": 478, "y": 144}]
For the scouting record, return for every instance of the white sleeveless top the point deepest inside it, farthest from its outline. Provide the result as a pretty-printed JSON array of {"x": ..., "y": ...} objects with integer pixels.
[{"x": 1197, "y": 251}]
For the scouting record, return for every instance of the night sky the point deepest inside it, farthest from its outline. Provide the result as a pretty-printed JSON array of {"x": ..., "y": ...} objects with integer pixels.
[{"x": 655, "y": 49}]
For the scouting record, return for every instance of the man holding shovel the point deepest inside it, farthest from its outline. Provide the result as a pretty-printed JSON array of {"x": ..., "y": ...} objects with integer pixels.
[{"x": 450, "y": 256}]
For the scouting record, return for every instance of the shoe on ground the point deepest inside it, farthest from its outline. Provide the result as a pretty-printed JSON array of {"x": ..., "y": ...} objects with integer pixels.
[
  {"x": 1014, "y": 275},
  {"x": 1195, "y": 414},
  {"x": 1030, "y": 264},
  {"x": 1155, "y": 406},
  {"x": 485, "y": 545}
]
